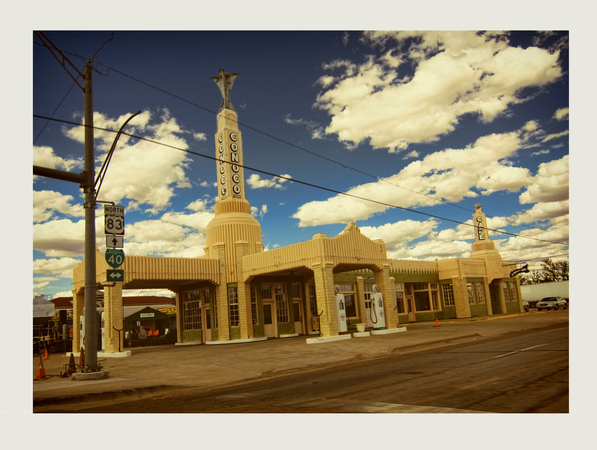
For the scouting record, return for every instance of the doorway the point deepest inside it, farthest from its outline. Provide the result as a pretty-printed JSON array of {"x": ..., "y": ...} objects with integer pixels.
[
  {"x": 298, "y": 316},
  {"x": 269, "y": 326},
  {"x": 207, "y": 322}
]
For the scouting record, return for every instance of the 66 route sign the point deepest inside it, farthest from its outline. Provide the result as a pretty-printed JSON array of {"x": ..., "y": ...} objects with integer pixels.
[
  {"x": 114, "y": 257},
  {"x": 114, "y": 219}
]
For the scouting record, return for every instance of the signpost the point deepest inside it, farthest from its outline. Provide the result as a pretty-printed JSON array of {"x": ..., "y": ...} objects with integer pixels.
[
  {"x": 114, "y": 229},
  {"x": 115, "y": 275},
  {"x": 114, "y": 257}
]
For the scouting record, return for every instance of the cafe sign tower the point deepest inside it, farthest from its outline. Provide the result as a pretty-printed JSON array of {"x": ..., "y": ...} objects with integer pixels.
[{"x": 233, "y": 224}]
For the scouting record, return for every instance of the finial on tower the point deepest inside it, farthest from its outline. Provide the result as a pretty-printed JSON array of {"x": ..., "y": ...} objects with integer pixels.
[{"x": 224, "y": 81}]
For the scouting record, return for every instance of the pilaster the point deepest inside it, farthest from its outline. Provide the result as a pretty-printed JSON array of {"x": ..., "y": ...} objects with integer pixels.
[
  {"x": 326, "y": 297},
  {"x": 487, "y": 296},
  {"x": 113, "y": 318},
  {"x": 78, "y": 304},
  {"x": 382, "y": 279}
]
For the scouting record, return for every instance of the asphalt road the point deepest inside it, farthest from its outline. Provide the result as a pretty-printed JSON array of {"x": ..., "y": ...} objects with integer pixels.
[{"x": 520, "y": 372}]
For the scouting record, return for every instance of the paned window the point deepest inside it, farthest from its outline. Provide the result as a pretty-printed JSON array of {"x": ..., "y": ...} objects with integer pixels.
[
  {"x": 368, "y": 290},
  {"x": 480, "y": 293},
  {"x": 296, "y": 290},
  {"x": 281, "y": 303},
  {"x": 192, "y": 310},
  {"x": 254, "y": 305},
  {"x": 400, "y": 302},
  {"x": 434, "y": 295},
  {"x": 448, "y": 292},
  {"x": 266, "y": 291},
  {"x": 349, "y": 299},
  {"x": 233, "y": 305},
  {"x": 513, "y": 296},
  {"x": 471, "y": 293},
  {"x": 505, "y": 289},
  {"x": 400, "y": 287}
]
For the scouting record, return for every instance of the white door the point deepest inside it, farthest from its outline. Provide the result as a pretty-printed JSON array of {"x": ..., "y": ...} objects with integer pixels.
[
  {"x": 206, "y": 324},
  {"x": 298, "y": 316},
  {"x": 269, "y": 320}
]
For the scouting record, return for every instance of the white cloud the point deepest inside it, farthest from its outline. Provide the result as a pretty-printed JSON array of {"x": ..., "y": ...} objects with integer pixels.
[
  {"x": 555, "y": 136},
  {"x": 541, "y": 152},
  {"x": 60, "y": 238},
  {"x": 58, "y": 267},
  {"x": 143, "y": 172},
  {"x": 472, "y": 74},
  {"x": 550, "y": 184},
  {"x": 200, "y": 136},
  {"x": 46, "y": 202},
  {"x": 257, "y": 213},
  {"x": 413, "y": 154},
  {"x": 561, "y": 113},
  {"x": 45, "y": 157},
  {"x": 255, "y": 182},
  {"x": 450, "y": 174}
]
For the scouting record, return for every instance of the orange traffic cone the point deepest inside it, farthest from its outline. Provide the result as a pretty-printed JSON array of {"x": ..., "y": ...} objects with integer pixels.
[
  {"x": 436, "y": 323},
  {"x": 41, "y": 372},
  {"x": 47, "y": 355},
  {"x": 71, "y": 364}
]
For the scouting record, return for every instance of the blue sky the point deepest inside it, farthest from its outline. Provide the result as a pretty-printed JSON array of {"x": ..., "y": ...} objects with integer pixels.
[{"x": 431, "y": 122}]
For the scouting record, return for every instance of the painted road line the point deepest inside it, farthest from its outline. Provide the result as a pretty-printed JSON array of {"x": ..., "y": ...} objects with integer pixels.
[{"x": 518, "y": 351}]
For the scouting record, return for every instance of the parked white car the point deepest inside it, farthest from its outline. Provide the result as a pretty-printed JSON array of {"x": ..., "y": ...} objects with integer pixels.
[
  {"x": 552, "y": 303},
  {"x": 525, "y": 305}
]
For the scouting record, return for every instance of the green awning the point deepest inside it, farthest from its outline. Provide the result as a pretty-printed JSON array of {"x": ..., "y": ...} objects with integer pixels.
[{"x": 146, "y": 314}]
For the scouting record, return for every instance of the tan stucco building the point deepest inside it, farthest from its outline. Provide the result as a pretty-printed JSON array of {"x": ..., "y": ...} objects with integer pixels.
[{"x": 238, "y": 292}]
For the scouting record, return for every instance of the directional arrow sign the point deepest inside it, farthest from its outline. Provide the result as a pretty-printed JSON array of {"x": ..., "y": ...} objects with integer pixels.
[
  {"x": 113, "y": 241},
  {"x": 114, "y": 257},
  {"x": 115, "y": 275}
]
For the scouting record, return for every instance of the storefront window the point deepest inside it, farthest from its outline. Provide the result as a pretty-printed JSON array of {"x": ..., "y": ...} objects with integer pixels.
[
  {"x": 471, "y": 293},
  {"x": 254, "y": 305},
  {"x": 312, "y": 300},
  {"x": 505, "y": 289},
  {"x": 422, "y": 301},
  {"x": 349, "y": 296},
  {"x": 448, "y": 292},
  {"x": 400, "y": 302},
  {"x": 233, "y": 304},
  {"x": 480, "y": 293},
  {"x": 513, "y": 296},
  {"x": 192, "y": 310},
  {"x": 281, "y": 303}
]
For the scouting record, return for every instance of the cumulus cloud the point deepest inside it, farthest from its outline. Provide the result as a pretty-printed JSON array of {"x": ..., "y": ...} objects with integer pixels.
[
  {"x": 561, "y": 113},
  {"x": 143, "y": 172},
  {"x": 58, "y": 267},
  {"x": 255, "y": 182},
  {"x": 451, "y": 175},
  {"x": 60, "y": 237},
  {"x": 551, "y": 184},
  {"x": 456, "y": 73},
  {"x": 259, "y": 213},
  {"x": 46, "y": 203},
  {"x": 44, "y": 157}
]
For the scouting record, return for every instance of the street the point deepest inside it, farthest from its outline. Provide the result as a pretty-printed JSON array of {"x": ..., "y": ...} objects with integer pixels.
[{"x": 518, "y": 372}]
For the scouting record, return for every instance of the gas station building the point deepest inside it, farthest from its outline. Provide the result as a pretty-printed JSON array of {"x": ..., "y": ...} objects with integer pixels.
[{"x": 237, "y": 292}]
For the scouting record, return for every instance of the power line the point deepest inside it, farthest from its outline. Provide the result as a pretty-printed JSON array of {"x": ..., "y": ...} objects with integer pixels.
[
  {"x": 276, "y": 138},
  {"x": 296, "y": 180}
]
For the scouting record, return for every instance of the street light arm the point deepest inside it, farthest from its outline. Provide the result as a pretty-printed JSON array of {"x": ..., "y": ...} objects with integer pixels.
[{"x": 104, "y": 169}]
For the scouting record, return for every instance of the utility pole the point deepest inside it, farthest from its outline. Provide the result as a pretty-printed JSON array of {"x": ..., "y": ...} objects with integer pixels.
[
  {"x": 90, "y": 316},
  {"x": 87, "y": 183}
]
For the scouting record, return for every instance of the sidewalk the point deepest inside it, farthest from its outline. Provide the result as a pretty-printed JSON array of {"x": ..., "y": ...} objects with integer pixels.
[{"x": 152, "y": 370}]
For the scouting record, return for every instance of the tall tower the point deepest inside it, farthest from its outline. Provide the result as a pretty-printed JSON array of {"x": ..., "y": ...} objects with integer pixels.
[
  {"x": 484, "y": 247},
  {"x": 233, "y": 221}
]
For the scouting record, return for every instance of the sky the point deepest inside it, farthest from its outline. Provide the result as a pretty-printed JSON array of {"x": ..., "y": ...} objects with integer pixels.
[{"x": 425, "y": 124}]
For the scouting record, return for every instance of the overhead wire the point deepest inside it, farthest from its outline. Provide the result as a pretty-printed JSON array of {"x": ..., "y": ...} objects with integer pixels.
[
  {"x": 296, "y": 180},
  {"x": 383, "y": 180}
]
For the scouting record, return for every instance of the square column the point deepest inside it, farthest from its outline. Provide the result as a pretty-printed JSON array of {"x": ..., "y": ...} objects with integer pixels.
[
  {"x": 361, "y": 299},
  {"x": 78, "y": 303},
  {"x": 461, "y": 304},
  {"x": 113, "y": 318},
  {"x": 388, "y": 290},
  {"x": 179, "y": 316},
  {"x": 326, "y": 297},
  {"x": 487, "y": 296}
]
